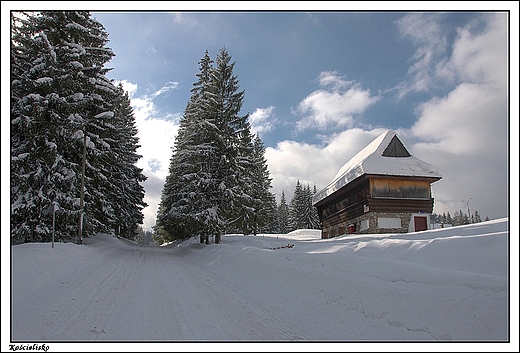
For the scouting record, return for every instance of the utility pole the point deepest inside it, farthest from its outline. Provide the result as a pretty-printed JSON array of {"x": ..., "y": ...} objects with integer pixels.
[
  {"x": 82, "y": 190},
  {"x": 467, "y": 204}
]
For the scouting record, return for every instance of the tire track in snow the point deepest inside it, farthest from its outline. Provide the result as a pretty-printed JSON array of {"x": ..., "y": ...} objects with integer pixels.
[
  {"x": 139, "y": 293},
  {"x": 238, "y": 316},
  {"x": 94, "y": 294}
]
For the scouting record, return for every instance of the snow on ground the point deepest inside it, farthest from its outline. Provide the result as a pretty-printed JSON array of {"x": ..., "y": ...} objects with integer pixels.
[{"x": 443, "y": 285}]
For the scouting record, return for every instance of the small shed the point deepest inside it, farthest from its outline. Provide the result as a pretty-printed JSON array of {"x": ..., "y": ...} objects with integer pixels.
[{"x": 382, "y": 189}]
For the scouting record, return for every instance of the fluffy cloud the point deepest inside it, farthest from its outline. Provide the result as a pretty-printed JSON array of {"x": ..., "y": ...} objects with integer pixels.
[
  {"x": 465, "y": 132},
  {"x": 334, "y": 107},
  {"x": 262, "y": 120},
  {"x": 425, "y": 31}
]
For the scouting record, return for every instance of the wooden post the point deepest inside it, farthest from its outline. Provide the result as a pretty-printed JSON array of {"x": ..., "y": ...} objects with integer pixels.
[{"x": 82, "y": 190}]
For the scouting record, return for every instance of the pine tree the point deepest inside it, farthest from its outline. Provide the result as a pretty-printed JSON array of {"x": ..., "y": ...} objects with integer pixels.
[
  {"x": 283, "y": 215},
  {"x": 449, "y": 219},
  {"x": 315, "y": 219},
  {"x": 264, "y": 199},
  {"x": 271, "y": 226},
  {"x": 460, "y": 218},
  {"x": 309, "y": 215},
  {"x": 62, "y": 104},
  {"x": 35, "y": 160},
  {"x": 297, "y": 208},
  {"x": 191, "y": 194},
  {"x": 176, "y": 214},
  {"x": 242, "y": 215},
  {"x": 189, "y": 187},
  {"x": 226, "y": 102},
  {"x": 125, "y": 192},
  {"x": 217, "y": 177}
]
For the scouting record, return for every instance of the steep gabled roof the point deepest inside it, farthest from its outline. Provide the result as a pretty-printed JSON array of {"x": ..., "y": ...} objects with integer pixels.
[{"x": 386, "y": 155}]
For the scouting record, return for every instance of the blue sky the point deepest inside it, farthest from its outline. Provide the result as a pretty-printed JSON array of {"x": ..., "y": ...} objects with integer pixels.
[
  {"x": 320, "y": 86},
  {"x": 280, "y": 58}
]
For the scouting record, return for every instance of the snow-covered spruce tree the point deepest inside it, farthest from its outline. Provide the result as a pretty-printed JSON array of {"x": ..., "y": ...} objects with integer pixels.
[
  {"x": 265, "y": 200},
  {"x": 34, "y": 156},
  {"x": 302, "y": 214},
  {"x": 255, "y": 204},
  {"x": 297, "y": 208},
  {"x": 283, "y": 216},
  {"x": 315, "y": 218},
  {"x": 225, "y": 103},
  {"x": 187, "y": 202},
  {"x": 209, "y": 186},
  {"x": 242, "y": 218},
  {"x": 310, "y": 216},
  {"x": 43, "y": 122},
  {"x": 61, "y": 102},
  {"x": 476, "y": 217},
  {"x": 125, "y": 191},
  {"x": 173, "y": 215}
]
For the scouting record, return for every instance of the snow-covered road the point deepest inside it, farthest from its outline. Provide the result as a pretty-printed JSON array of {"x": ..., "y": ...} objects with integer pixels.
[
  {"x": 129, "y": 292},
  {"x": 440, "y": 285}
]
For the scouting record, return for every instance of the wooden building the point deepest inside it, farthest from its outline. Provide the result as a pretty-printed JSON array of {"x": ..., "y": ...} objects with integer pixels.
[{"x": 382, "y": 189}]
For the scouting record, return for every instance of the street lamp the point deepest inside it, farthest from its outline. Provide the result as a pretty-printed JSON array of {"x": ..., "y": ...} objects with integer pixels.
[{"x": 467, "y": 204}]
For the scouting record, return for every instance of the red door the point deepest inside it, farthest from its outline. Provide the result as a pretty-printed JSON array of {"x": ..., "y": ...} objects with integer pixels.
[{"x": 420, "y": 223}]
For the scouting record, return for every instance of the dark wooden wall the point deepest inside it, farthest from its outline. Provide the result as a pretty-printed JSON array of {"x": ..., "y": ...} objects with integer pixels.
[{"x": 380, "y": 194}]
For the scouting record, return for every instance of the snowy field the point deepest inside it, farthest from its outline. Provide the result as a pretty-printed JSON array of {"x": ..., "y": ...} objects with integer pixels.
[{"x": 251, "y": 292}]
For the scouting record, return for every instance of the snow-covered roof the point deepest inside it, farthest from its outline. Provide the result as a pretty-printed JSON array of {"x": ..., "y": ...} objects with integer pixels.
[{"x": 386, "y": 155}]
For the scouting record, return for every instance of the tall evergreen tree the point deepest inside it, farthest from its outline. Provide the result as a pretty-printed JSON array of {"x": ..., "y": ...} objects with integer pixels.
[
  {"x": 191, "y": 194},
  {"x": 242, "y": 215},
  {"x": 225, "y": 103},
  {"x": 283, "y": 215},
  {"x": 212, "y": 185},
  {"x": 36, "y": 162},
  {"x": 191, "y": 158},
  {"x": 188, "y": 183},
  {"x": 126, "y": 193},
  {"x": 449, "y": 219},
  {"x": 264, "y": 200},
  {"x": 297, "y": 208},
  {"x": 302, "y": 213},
  {"x": 61, "y": 103},
  {"x": 315, "y": 219}
]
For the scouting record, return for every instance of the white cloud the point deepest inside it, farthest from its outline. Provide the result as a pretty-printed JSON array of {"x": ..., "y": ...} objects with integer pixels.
[
  {"x": 171, "y": 85},
  {"x": 129, "y": 87},
  {"x": 424, "y": 31},
  {"x": 483, "y": 57},
  {"x": 465, "y": 132},
  {"x": 334, "y": 79},
  {"x": 262, "y": 120},
  {"x": 335, "y": 107}
]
